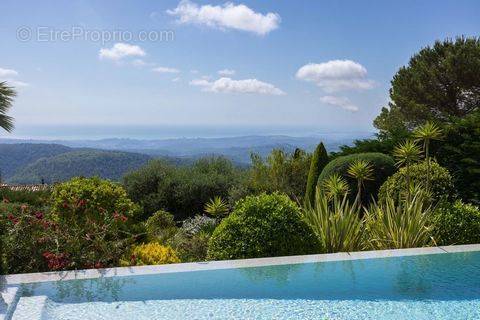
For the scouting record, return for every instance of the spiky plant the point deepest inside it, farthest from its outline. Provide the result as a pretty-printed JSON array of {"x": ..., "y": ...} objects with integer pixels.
[
  {"x": 406, "y": 154},
  {"x": 216, "y": 207},
  {"x": 426, "y": 133},
  {"x": 6, "y": 98},
  {"x": 402, "y": 224},
  {"x": 362, "y": 171},
  {"x": 335, "y": 187},
  {"x": 336, "y": 224}
]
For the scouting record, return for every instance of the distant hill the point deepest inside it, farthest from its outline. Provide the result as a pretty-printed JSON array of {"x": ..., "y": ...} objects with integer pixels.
[
  {"x": 23, "y": 163},
  {"x": 237, "y": 149},
  {"x": 106, "y": 164},
  {"x": 16, "y": 156}
]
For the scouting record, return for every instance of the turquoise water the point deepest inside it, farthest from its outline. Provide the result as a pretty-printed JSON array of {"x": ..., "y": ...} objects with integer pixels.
[{"x": 441, "y": 286}]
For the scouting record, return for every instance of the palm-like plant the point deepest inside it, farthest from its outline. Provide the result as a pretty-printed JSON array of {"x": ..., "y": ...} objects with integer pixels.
[
  {"x": 407, "y": 153},
  {"x": 216, "y": 207},
  {"x": 426, "y": 133},
  {"x": 336, "y": 224},
  {"x": 6, "y": 98},
  {"x": 406, "y": 224},
  {"x": 335, "y": 187},
  {"x": 362, "y": 171}
]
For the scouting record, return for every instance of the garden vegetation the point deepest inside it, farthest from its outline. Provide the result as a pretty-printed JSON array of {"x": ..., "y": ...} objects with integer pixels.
[{"x": 415, "y": 184}]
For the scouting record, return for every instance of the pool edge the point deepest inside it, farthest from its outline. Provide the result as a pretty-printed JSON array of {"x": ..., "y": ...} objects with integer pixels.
[{"x": 228, "y": 264}]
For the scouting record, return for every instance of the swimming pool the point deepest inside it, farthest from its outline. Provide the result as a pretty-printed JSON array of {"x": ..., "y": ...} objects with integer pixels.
[{"x": 427, "y": 283}]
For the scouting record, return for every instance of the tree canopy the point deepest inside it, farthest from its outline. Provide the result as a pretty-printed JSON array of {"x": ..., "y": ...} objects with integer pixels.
[{"x": 439, "y": 83}]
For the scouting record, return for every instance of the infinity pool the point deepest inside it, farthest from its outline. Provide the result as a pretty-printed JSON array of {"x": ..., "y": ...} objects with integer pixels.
[{"x": 427, "y": 286}]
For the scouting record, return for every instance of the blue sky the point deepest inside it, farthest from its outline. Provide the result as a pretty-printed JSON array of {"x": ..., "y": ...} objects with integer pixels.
[{"x": 320, "y": 64}]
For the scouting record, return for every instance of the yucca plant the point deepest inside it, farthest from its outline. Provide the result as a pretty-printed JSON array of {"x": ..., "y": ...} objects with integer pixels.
[
  {"x": 362, "y": 171},
  {"x": 335, "y": 223},
  {"x": 426, "y": 133},
  {"x": 216, "y": 207},
  {"x": 335, "y": 186},
  {"x": 406, "y": 154},
  {"x": 6, "y": 98},
  {"x": 400, "y": 224}
]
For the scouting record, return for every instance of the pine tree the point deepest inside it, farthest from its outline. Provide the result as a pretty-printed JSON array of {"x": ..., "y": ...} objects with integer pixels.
[{"x": 319, "y": 161}]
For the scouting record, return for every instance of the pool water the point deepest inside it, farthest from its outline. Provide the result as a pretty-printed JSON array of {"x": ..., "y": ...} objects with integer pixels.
[{"x": 436, "y": 286}]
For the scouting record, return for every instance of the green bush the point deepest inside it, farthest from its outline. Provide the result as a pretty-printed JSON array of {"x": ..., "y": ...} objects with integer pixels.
[
  {"x": 262, "y": 226},
  {"x": 383, "y": 167},
  {"x": 27, "y": 234},
  {"x": 93, "y": 219},
  {"x": 34, "y": 198},
  {"x": 191, "y": 240},
  {"x": 457, "y": 223},
  {"x": 182, "y": 191},
  {"x": 441, "y": 182},
  {"x": 160, "y": 226},
  {"x": 280, "y": 171}
]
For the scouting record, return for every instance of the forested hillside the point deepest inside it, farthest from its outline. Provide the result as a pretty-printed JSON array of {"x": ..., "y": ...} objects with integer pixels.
[{"x": 106, "y": 164}]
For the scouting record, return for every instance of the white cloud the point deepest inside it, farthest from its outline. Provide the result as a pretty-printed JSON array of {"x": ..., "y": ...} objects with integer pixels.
[
  {"x": 226, "y": 72},
  {"x": 142, "y": 63},
  {"x": 336, "y": 75},
  {"x": 8, "y": 73},
  {"x": 226, "y": 16},
  {"x": 176, "y": 79},
  {"x": 165, "y": 70},
  {"x": 121, "y": 50},
  {"x": 341, "y": 102},
  {"x": 228, "y": 85}
]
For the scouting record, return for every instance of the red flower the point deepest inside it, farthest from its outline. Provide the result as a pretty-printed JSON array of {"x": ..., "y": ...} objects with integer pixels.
[
  {"x": 56, "y": 261},
  {"x": 81, "y": 203},
  {"x": 39, "y": 215},
  {"x": 133, "y": 259},
  {"x": 12, "y": 218},
  {"x": 65, "y": 205},
  {"x": 123, "y": 218},
  {"x": 98, "y": 265}
]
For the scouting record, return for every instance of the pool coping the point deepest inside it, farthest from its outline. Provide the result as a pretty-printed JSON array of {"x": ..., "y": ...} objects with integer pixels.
[{"x": 16, "y": 279}]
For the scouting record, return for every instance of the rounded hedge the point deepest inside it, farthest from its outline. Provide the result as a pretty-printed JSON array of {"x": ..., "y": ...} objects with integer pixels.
[
  {"x": 262, "y": 226},
  {"x": 457, "y": 223},
  {"x": 441, "y": 182},
  {"x": 383, "y": 167}
]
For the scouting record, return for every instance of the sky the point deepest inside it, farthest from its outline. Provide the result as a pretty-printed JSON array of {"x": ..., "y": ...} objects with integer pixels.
[{"x": 320, "y": 66}]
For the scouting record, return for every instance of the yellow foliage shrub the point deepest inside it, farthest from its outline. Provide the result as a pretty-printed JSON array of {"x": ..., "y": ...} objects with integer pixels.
[{"x": 151, "y": 253}]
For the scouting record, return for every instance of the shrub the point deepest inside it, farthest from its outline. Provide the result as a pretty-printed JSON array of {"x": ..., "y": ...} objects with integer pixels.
[
  {"x": 27, "y": 234},
  {"x": 198, "y": 224},
  {"x": 457, "y": 223},
  {"x": 459, "y": 152},
  {"x": 318, "y": 162},
  {"x": 441, "y": 183},
  {"x": 160, "y": 226},
  {"x": 191, "y": 240},
  {"x": 403, "y": 224},
  {"x": 279, "y": 172},
  {"x": 383, "y": 167},
  {"x": 32, "y": 198},
  {"x": 92, "y": 219},
  {"x": 337, "y": 225},
  {"x": 262, "y": 226},
  {"x": 182, "y": 191},
  {"x": 149, "y": 254},
  {"x": 191, "y": 248}
]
